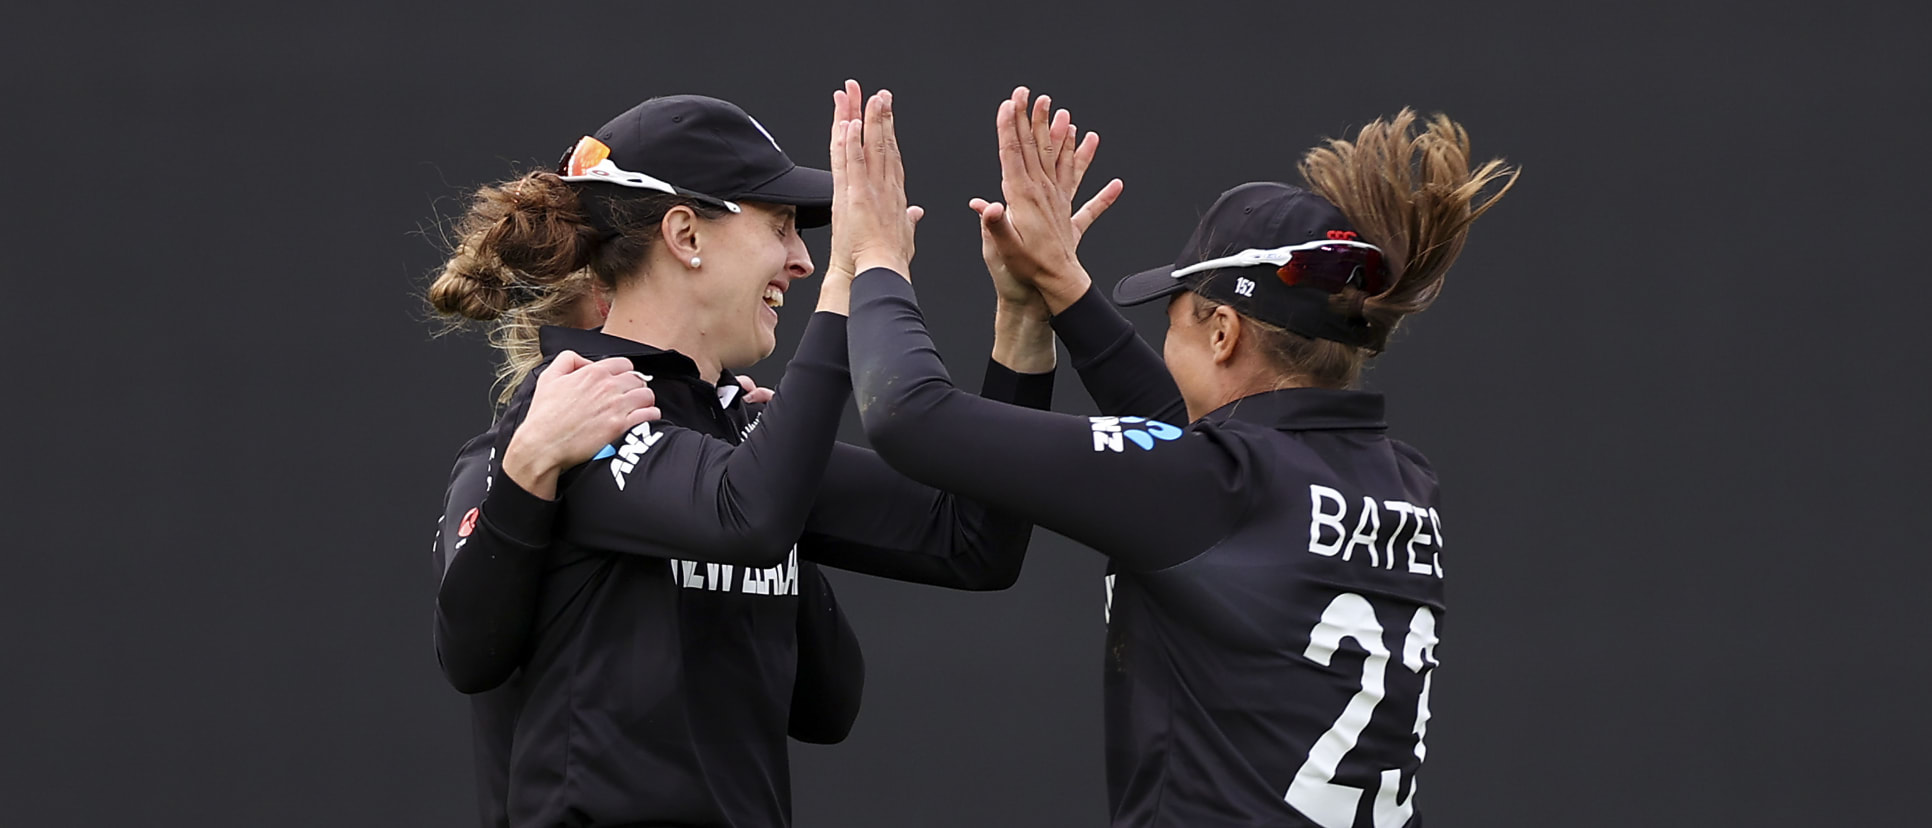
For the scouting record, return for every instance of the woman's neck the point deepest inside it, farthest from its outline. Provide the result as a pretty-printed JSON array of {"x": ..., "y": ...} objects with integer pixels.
[
  {"x": 1240, "y": 384},
  {"x": 666, "y": 323}
]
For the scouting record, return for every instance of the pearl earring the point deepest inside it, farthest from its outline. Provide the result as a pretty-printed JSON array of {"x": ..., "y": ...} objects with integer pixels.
[{"x": 696, "y": 262}]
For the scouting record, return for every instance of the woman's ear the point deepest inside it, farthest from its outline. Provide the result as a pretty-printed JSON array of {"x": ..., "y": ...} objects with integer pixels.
[
  {"x": 679, "y": 232},
  {"x": 1224, "y": 334},
  {"x": 600, "y": 298}
]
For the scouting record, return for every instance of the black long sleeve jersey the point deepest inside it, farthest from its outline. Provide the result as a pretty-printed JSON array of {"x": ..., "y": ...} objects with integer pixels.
[
  {"x": 1275, "y": 589},
  {"x": 506, "y": 597}
]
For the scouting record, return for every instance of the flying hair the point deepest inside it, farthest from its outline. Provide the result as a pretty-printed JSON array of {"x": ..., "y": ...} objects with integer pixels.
[
  {"x": 1405, "y": 184},
  {"x": 1410, "y": 192}
]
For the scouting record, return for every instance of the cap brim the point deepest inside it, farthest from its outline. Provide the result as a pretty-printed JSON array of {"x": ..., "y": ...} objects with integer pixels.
[
  {"x": 808, "y": 189},
  {"x": 1148, "y": 285}
]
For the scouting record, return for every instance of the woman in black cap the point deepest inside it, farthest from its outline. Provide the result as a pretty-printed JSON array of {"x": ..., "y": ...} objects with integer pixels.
[
  {"x": 1275, "y": 586},
  {"x": 633, "y": 614}
]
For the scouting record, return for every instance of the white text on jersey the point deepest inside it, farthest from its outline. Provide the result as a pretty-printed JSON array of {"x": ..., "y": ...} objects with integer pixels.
[
  {"x": 1329, "y": 535},
  {"x": 716, "y": 577},
  {"x": 636, "y": 442}
]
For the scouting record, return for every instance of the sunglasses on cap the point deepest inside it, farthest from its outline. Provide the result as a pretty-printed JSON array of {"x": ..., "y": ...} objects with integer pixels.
[
  {"x": 590, "y": 160},
  {"x": 1328, "y": 264}
]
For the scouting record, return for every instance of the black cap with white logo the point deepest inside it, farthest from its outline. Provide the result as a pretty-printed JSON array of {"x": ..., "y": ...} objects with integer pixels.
[
  {"x": 1274, "y": 252},
  {"x": 700, "y": 147}
]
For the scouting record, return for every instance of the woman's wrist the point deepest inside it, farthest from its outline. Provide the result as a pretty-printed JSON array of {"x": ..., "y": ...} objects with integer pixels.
[
  {"x": 1060, "y": 292},
  {"x": 530, "y": 470},
  {"x": 835, "y": 293},
  {"x": 895, "y": 263},
  {"x": 1023, "y": 337}
]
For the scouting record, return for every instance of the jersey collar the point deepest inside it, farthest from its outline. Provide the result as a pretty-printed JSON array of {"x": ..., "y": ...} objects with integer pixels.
[
  {"x": 1307, "y": 409},
  {"x": 594, "y": 344}
]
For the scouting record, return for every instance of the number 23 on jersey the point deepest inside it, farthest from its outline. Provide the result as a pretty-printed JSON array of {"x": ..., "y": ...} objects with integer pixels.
[{"x": 1314, "y": 791}]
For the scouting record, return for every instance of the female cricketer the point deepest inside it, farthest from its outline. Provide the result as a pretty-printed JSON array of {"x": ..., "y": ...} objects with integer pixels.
[
  {"x": 625, "y": 594},
  {"x": 1276, "y": 586}
]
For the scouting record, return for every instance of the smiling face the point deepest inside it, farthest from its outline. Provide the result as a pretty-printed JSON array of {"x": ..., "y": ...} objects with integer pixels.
[{"x": 749, "y": 262}]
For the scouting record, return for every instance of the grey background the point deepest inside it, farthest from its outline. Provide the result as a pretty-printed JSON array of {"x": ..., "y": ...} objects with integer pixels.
[{"x": 1675, "y": 390}]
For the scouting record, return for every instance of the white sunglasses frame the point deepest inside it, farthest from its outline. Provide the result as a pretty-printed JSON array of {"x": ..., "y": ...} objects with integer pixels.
[
  {"x": 610, "y": 173},
  {"x": 1277, "y": 256}
]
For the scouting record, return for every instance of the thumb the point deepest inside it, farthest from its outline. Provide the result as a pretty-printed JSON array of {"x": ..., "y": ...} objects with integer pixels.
[
  {"x": 915, "y": 213},
  {"x": 993, "y": 225}
]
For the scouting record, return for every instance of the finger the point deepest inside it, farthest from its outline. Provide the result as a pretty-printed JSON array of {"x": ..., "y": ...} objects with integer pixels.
[
  {"x": 565, "y": 363},
  {"x": 1063, "y": 155},
  {"x": 1012, "y": 159},
  {"x": 845, "y": 105},
  {"x": 1083, "y": 158},
  {"x": 1049, "y": 133},
  {"x": 874, "y": 136},
  {"x": 915, "y": 213},
  {"x": 852, "y": 98},
  {"x": 1033, "y": 134},
  {"x": 838, "y": 113},
  {"x": 854, "y": 155},
  {"x": 642, "y": 415},
  {"x": 746, "y": 384},
  {"x": 639, "y": 398},
  {"x": 1026, "y": 155},
  {"x": 612, "y": 365},
  {"x": 1089, "y": 212},
  {"x": 978, "y": 205},
  {"x": 839, "y": 172},
  {"x": 895, "y": 169}
]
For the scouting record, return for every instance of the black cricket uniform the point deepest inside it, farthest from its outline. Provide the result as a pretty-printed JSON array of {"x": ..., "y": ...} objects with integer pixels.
[
  {"x": 494, "y": 597},
  {"x": 517, "y": 584},
  {"x": 1275, "y": 593}
]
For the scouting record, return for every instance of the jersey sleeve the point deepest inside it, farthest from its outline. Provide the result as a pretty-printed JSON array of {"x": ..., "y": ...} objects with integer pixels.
[
  {"x": 667, "y": 491},
  {"x": 871, "y": 519},
  {"x": 831, "y": 670},
  {"x": 1123, "y": 374},
  {"x": 1146, "y": 493},
  {"x": 491, "y": 544}
]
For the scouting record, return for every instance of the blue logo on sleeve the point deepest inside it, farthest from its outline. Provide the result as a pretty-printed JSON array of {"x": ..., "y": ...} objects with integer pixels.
[
  {"x": 606, "y": 451},
  {"x": 1113, "y": 433}
]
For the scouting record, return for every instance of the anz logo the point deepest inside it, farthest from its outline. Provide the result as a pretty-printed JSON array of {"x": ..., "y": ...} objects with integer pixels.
[
  {"x": 636, "y": 442},
  {"x": 1113, "y": 433}
]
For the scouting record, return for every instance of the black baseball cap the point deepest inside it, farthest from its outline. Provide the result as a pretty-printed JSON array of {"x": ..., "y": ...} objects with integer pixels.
[
  {"x": 700, "y": 147},
  {"x": 1275, "y": 252}
]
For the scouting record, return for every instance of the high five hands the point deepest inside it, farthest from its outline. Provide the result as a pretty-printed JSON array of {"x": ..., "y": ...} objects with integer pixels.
[
  {"x": 1029, "y": 242},
  {"x": 872, "y": 226}
]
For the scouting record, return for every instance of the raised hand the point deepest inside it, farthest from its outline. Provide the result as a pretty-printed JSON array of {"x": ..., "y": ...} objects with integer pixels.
[
  {"x": 577, "y": 408},
  {"x": 870, "y": 218},
  {"x": 1029, "y": 242}
]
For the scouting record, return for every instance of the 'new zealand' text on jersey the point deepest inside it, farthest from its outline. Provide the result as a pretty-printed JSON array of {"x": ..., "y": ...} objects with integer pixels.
[
  {"x": 658, "y": 688},
  {"x": 1276, "y": 570},
  {"x": 531, "y": 595}
]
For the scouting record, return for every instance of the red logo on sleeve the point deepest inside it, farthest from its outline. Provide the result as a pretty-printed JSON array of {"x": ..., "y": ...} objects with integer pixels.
[{"x": 468, "y": 525}]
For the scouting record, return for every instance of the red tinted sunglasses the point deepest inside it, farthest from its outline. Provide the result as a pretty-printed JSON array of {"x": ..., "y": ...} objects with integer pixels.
[{"x": 1334, "y": 266}]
